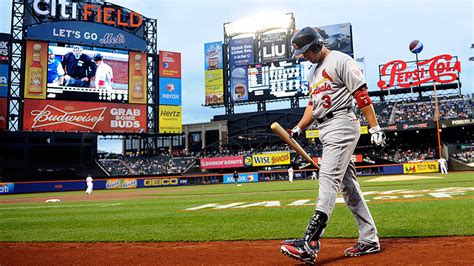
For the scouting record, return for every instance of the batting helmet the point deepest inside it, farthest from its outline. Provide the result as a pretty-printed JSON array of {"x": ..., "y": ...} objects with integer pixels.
[
  {"x": 305, "y": 38},
  {"x": 98, "y": 57}
]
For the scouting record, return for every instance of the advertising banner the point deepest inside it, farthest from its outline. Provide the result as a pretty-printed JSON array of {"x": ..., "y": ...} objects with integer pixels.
[
  {"x": 442, "y": 69},
  {"x": 3, "y": 113},
  {"x": 274, "y": 46},
  {"x": 162, "y": 182},
  {"x": 241, "y": 52},
  {"x": 90, "y": 15},
  {"x": 222, "y": 162},
  {"x": 7, "y": 188},
  {"x": 170, "y": 91},
  {"x": 248, "y": 161},
  {"x": 78, "y": 33},
  {"x": 338, "y": 37},
  {"x": 3, "y": 80},
  {"x": 409, "y": 126},
  {"x": 170, "y": 64},
  {"x": 70, "y": 116},
  {"x": 121, "y": 183},
  {"x": 170, "y": 119},
  {"x": 243, "y": 178},
  {"x": 213, "y": 58},
  {"x": 424, "y": 167},
  {"x": 269, "y": 159},
  {"x": 36, "y": 69},
  {"x": 239, "y": 84},
  {"x": 4, "y": 44},
  {"x": 214, "y": 80},
  {"x": 455, "y": 123},
  {"x": 137, "y": 78}
]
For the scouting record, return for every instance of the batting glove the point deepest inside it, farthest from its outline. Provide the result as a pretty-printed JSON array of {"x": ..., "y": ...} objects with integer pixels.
[
  {"x": 377, "y": 136},
  {"x": 295, "y": 132}
]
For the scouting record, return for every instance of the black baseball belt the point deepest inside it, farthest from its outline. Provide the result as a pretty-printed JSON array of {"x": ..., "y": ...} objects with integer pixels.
[{"x": 330, "y": 115}]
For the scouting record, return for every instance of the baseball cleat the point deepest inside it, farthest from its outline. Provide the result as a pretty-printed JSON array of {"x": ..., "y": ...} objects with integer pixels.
[
  {"x": 295, "y": 249},
  {"x": 361, "y": 249}
]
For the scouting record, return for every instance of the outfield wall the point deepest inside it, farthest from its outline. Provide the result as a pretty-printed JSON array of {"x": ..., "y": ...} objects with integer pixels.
[{"x": 166, "y": 181}]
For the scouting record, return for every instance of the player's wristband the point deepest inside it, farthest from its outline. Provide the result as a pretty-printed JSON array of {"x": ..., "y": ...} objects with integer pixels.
[{"x": 297, "y": 130}]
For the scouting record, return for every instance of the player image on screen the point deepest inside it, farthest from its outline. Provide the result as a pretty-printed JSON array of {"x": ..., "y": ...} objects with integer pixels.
[
  {"x": 79, "y": 68},
  {"x": 104, "y": 73},
  {"x": 80, "y": 73},
  {"x": 55, "y": 70}
]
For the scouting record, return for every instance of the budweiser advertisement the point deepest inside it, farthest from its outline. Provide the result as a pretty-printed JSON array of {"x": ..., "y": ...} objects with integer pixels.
[
  {"x": 41, "y": 115},
  {"x": 222, "y": 162}
]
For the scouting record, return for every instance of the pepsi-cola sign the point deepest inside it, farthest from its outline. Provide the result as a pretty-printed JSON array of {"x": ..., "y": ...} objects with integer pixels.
[{"x": 440, "y": 69}]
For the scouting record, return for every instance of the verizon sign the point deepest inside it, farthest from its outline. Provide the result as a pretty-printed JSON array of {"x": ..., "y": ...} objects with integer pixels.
[
  {"x": 40, "y": 115},
  {"x": 440, "y": 69}
]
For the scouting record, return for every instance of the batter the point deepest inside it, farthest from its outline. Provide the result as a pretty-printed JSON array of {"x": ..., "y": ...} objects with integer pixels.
[{"x": 334, "y": 80}]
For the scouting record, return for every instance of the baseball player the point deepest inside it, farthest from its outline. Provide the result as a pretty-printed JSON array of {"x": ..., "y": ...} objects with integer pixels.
[
  {"x": 290, "y": 174},
  {"x": 55, "y": 70},
  {"x": 335, "y": 80},
  {"x": 90, "y": 185},
  {"x": 314, "y": 176},
  {"x": 79, "y": 68},
  {"x": 103, "y": 74},
  {"x": 442, "y": 164}
]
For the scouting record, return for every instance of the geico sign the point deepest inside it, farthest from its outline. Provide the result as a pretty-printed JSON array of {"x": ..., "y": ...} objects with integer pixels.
[
  {"x": 106, "y": 15},
  {"x": 160, "y": 182}
]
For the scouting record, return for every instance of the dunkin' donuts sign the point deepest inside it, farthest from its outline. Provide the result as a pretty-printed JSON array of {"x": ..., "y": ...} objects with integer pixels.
[
  {"x": 440, "y": 69},
  {"x": 40, "y": 115}
]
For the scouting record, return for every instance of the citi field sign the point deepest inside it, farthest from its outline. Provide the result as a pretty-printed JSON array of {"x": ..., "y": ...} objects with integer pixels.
[
  {"x": 105, "y": 14},
  {"x": 442, "y": 69},
  {"x": 64, "y": 21}
]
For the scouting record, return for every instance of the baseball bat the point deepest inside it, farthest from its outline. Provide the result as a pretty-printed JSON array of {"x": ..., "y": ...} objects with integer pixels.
[{"x": 281, "y": 132}]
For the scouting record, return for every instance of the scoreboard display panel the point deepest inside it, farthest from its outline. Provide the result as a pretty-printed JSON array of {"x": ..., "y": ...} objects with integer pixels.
[{"x": 281, "y": 79}]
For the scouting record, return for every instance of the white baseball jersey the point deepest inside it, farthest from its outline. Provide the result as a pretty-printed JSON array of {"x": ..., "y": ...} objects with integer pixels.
[
  {"x": 332, "y": 83},
  {"x": 442, "y": 162},
  {"x": 89, "y": 179},
  {"x": 103, "y": 76}
]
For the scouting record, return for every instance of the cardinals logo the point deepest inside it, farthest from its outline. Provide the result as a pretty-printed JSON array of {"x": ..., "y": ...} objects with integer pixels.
[{"x": 321, "y": 85}]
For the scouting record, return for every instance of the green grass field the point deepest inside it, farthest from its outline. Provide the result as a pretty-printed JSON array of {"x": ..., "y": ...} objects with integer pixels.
[{"x": 428, "y": 207}]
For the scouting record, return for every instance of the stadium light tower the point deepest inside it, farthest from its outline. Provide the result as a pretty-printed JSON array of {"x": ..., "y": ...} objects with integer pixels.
[
  {"x": 262, "y": 22},
  {"x": 253, "y": 27}
]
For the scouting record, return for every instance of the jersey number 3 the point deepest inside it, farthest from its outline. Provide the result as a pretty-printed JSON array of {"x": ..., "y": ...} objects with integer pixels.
[{"x": 327, "y": 101}]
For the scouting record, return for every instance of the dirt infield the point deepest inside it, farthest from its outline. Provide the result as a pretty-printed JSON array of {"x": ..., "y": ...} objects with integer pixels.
[{"x": 420, "y": 251}]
